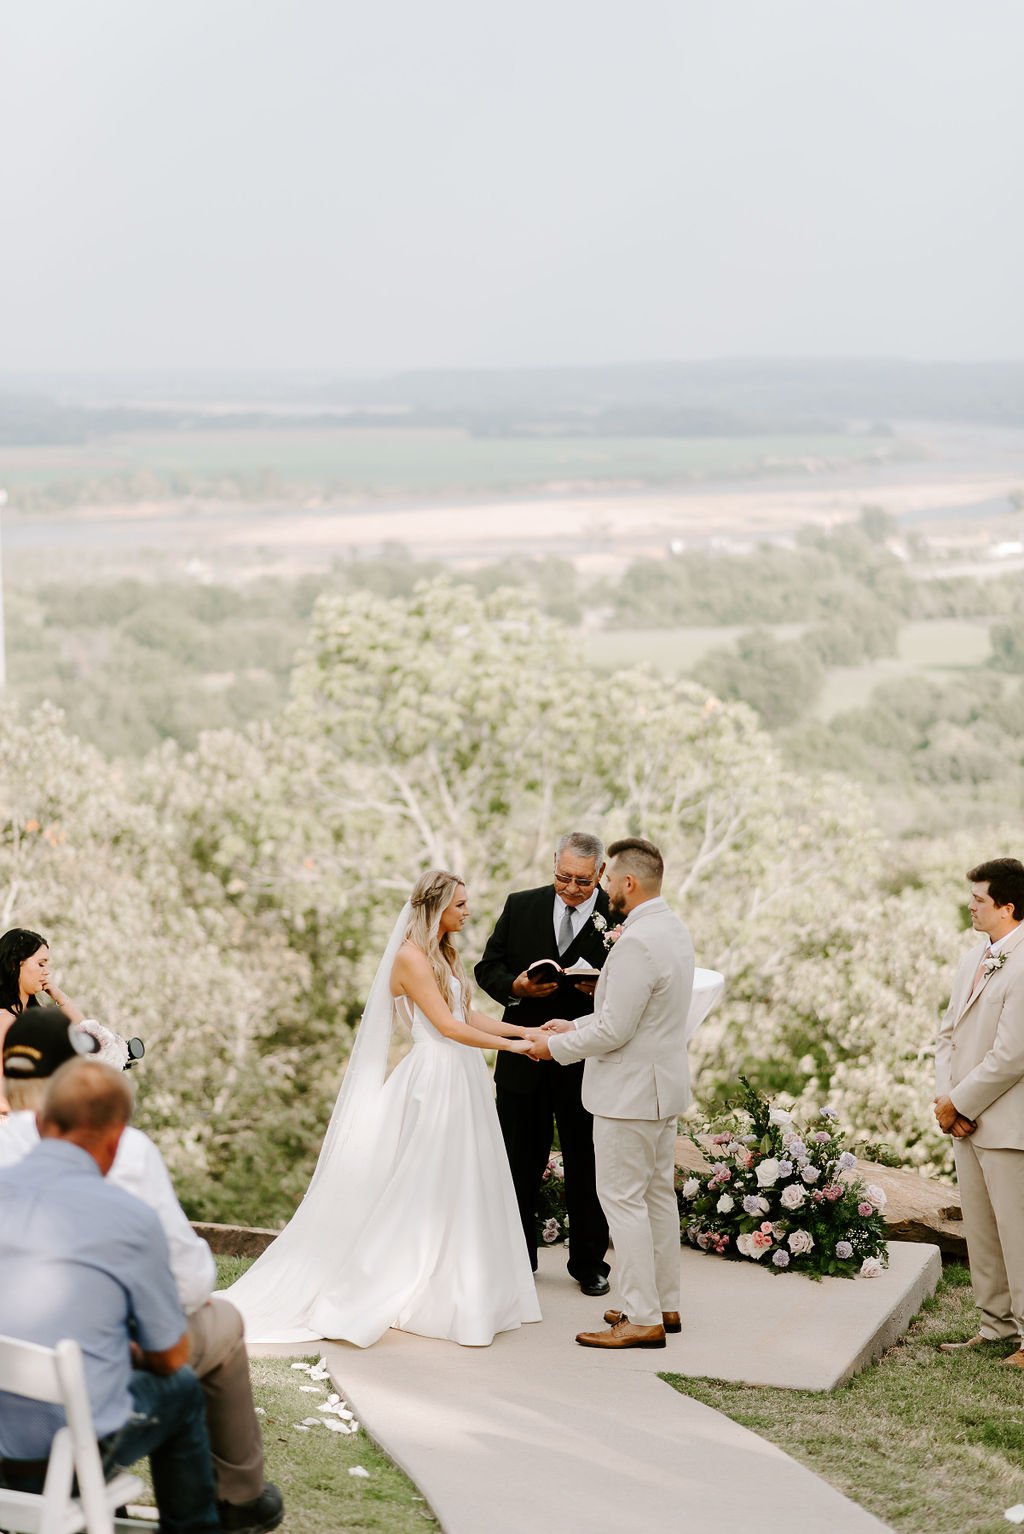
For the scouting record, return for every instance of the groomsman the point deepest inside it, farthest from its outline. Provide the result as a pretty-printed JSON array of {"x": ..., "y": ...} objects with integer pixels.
[
  {"x": 979, "y": 1076},
  {"x": 567, "y": 922}
]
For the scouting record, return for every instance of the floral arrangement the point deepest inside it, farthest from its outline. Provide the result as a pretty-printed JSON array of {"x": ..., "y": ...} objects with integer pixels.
[
  {"x": 552, "y": 1221},
  {"x": 784, "y": 1196}
]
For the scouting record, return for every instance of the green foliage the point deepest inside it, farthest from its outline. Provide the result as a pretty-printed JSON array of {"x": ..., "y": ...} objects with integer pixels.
[
  {"x": 781, "y": 681},
  {"x": 1008, "y": 647}
]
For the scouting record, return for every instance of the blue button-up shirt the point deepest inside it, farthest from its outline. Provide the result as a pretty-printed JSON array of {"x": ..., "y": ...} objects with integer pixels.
[{"x": 79, "y": 1258}]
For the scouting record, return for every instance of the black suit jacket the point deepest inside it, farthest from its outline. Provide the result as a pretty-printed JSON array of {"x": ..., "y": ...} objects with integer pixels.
[{"x": 525, "y": 931}]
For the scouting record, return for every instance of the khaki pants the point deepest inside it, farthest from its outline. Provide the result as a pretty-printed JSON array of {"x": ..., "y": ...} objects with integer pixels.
[
  {"x": 636, "y": 1186},
  {"x": 219, "y": 1358},
  {"x": 992, "y": 1197}
]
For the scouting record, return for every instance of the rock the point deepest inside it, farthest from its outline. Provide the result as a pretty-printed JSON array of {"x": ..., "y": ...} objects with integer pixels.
[
  {"x": 918, "y": 1208},
  {"x": 235, "y": 1240}
]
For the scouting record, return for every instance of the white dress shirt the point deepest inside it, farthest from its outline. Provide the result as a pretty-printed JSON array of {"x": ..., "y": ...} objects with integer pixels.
[
  {"x": 579, "y": 913},
  {"x": 139, "y": 1169}
]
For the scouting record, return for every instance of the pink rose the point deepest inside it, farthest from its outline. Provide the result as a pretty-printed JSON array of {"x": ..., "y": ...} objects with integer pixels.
[
  {"x": 833, "y": 1191},
  {"x": 865, "y": 1209}
]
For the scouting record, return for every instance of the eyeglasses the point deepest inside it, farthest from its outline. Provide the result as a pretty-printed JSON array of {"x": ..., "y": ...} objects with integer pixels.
[{"x": 582, "y": 884}]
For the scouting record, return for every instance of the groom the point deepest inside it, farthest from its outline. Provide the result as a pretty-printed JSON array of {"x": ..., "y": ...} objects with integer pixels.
[{"x": 636, "y": 1083}]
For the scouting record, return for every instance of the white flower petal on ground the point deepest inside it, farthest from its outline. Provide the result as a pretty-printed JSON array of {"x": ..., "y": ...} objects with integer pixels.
[
  {"x": 305, "y": 1368},
  {"x": 311, "y": 1390},
  {"x": 261, "y": 1411},
  {"x": 337, "y": 1427},
  {"x": 358, "y": 1470},
  {"x": 300, "y": 1427},
  {"x": 311, "y": 1421},
  {"x": 1015, "y": 1514}
]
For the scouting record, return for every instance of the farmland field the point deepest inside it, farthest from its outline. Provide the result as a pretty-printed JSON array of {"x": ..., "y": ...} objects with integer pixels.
[
  {"x": 936, "y": 647},
  {"x": 392, "y": 461}
]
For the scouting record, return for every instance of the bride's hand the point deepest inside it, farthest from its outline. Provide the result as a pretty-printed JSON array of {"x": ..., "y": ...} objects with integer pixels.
[{"x": 519, "y": 1046}]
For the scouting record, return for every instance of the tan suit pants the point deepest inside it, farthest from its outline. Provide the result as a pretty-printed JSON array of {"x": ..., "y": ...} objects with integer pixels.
[
  {"x": 219, "y": 1358},
  {"x": 992, "y": 1197},
  {"x": 636, "y": 1185}
]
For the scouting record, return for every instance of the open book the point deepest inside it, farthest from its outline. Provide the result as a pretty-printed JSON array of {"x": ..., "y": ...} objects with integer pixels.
[{"x": 547, "y": 970}]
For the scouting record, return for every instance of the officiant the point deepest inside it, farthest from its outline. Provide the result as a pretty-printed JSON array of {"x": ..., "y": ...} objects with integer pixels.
[{"x": 569, "y": 923}]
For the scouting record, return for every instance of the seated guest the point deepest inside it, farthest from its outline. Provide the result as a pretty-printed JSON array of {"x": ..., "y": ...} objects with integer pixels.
[
  {"x": 24, "y": 974},
  {"x": 85, "y": 1260},
  {"x": 38, "y": 1044}
]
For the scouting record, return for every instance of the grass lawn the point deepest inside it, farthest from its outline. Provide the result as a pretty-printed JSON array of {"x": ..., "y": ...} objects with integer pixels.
[
  {"x": 928, "y": 1443},
  {"x": 312, "y": 1468}
]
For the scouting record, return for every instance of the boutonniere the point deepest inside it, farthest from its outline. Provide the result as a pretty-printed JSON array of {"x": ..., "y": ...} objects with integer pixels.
[
  {"x": 996, "y": 961},
  {"x": 598, "y": 921},
  {"x": 611, "y": 938}
]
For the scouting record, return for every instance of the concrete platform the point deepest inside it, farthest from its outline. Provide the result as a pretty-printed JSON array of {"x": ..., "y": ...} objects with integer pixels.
[{"x": 535, "y": 1431}]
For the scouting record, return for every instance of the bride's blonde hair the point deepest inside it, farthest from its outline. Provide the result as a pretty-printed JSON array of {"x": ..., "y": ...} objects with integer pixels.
[{"x": 433, "y": 894}]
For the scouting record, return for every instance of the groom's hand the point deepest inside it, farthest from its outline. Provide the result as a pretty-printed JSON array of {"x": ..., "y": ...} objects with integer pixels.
[
  {"x": 945, "y": 1114},
  {"x": 963, "y": 1127},
  {"x": 557, "y": 1025},
  {"x": 539, "y": 1049}
]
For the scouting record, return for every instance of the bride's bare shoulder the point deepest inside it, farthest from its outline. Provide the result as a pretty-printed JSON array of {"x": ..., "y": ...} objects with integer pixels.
[{"x": 410, "y": 961}]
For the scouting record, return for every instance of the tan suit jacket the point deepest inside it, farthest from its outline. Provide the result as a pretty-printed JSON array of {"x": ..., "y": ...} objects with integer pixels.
[
  {"x": 979, "y": 1053},
  {"x": 635, "y": 1041}
]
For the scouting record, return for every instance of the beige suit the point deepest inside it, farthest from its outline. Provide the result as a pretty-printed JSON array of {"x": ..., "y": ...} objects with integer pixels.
[
  {"x": 979, "y": 1064},
  {"x": 636, "y": 1083}
]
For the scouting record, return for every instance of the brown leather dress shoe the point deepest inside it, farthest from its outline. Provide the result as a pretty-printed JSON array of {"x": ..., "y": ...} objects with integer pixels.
[
  {"x": 669, "y": 1319},
  {"x": 971, "y": 1342},
  {"x": 1015, "y": 1360},
  {"x": 624, "y": 1335}
]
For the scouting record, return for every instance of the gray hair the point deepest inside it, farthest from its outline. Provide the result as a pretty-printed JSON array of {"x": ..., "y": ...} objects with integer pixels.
[{"x": 582, "y": 845}]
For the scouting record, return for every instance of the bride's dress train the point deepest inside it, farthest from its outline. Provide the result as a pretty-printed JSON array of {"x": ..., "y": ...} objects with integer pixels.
[{"x": 411, "y": 1222}]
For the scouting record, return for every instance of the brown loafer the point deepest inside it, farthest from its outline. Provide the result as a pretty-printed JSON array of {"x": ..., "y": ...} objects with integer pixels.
[
  {"x": 971, "y": 1342},
  {"x": 1015, "y": 1360},
  {"x": 669, "y": 1319},
  {"x": 624, "y": 1335}
]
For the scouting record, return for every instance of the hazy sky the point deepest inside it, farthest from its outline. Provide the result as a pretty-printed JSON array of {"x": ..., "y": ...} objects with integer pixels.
[{"x": 389, "y": 183}]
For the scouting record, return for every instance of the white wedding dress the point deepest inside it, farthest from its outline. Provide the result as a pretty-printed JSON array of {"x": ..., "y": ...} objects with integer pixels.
[{"x": 410, "y": 1220}]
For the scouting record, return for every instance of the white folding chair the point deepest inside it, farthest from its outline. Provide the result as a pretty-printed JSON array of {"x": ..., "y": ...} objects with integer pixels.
[{"x": 56, "y": 1375}]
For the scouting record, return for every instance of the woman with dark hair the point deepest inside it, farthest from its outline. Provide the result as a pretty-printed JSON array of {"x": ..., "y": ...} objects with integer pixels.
[{"x": 24, "y": 972}]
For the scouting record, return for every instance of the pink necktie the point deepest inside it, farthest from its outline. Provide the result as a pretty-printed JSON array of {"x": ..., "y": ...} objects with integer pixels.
[{"x": 980, "y": 969}]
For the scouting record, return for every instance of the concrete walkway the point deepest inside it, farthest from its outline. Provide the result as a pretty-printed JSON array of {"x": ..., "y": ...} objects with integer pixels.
[{"x": 536, "y": 1432}]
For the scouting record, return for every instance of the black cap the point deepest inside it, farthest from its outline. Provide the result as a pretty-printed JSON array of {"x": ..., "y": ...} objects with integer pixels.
[{"x": 40, "y": 1041}]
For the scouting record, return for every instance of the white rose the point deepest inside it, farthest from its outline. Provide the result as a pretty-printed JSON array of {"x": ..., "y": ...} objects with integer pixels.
[
  {"x": 799, "y": 1242},
  {"x": 809, "y": 1173},
  {"x": 691, "y": 1187},
  {"x": 792, "y": 1196},
  {"x": 724, "y": 1204},
  {"x": 780, "y": 1116},
  {"x": 745, "y": 1244},
  {"x": 767, "y": 1172},
  {"x": 870, "y": 1267},
  {"x": 877, "y": 1195}
]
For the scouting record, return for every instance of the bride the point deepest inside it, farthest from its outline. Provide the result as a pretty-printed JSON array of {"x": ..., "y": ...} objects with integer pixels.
[{"x": 410, "y": 1219}]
